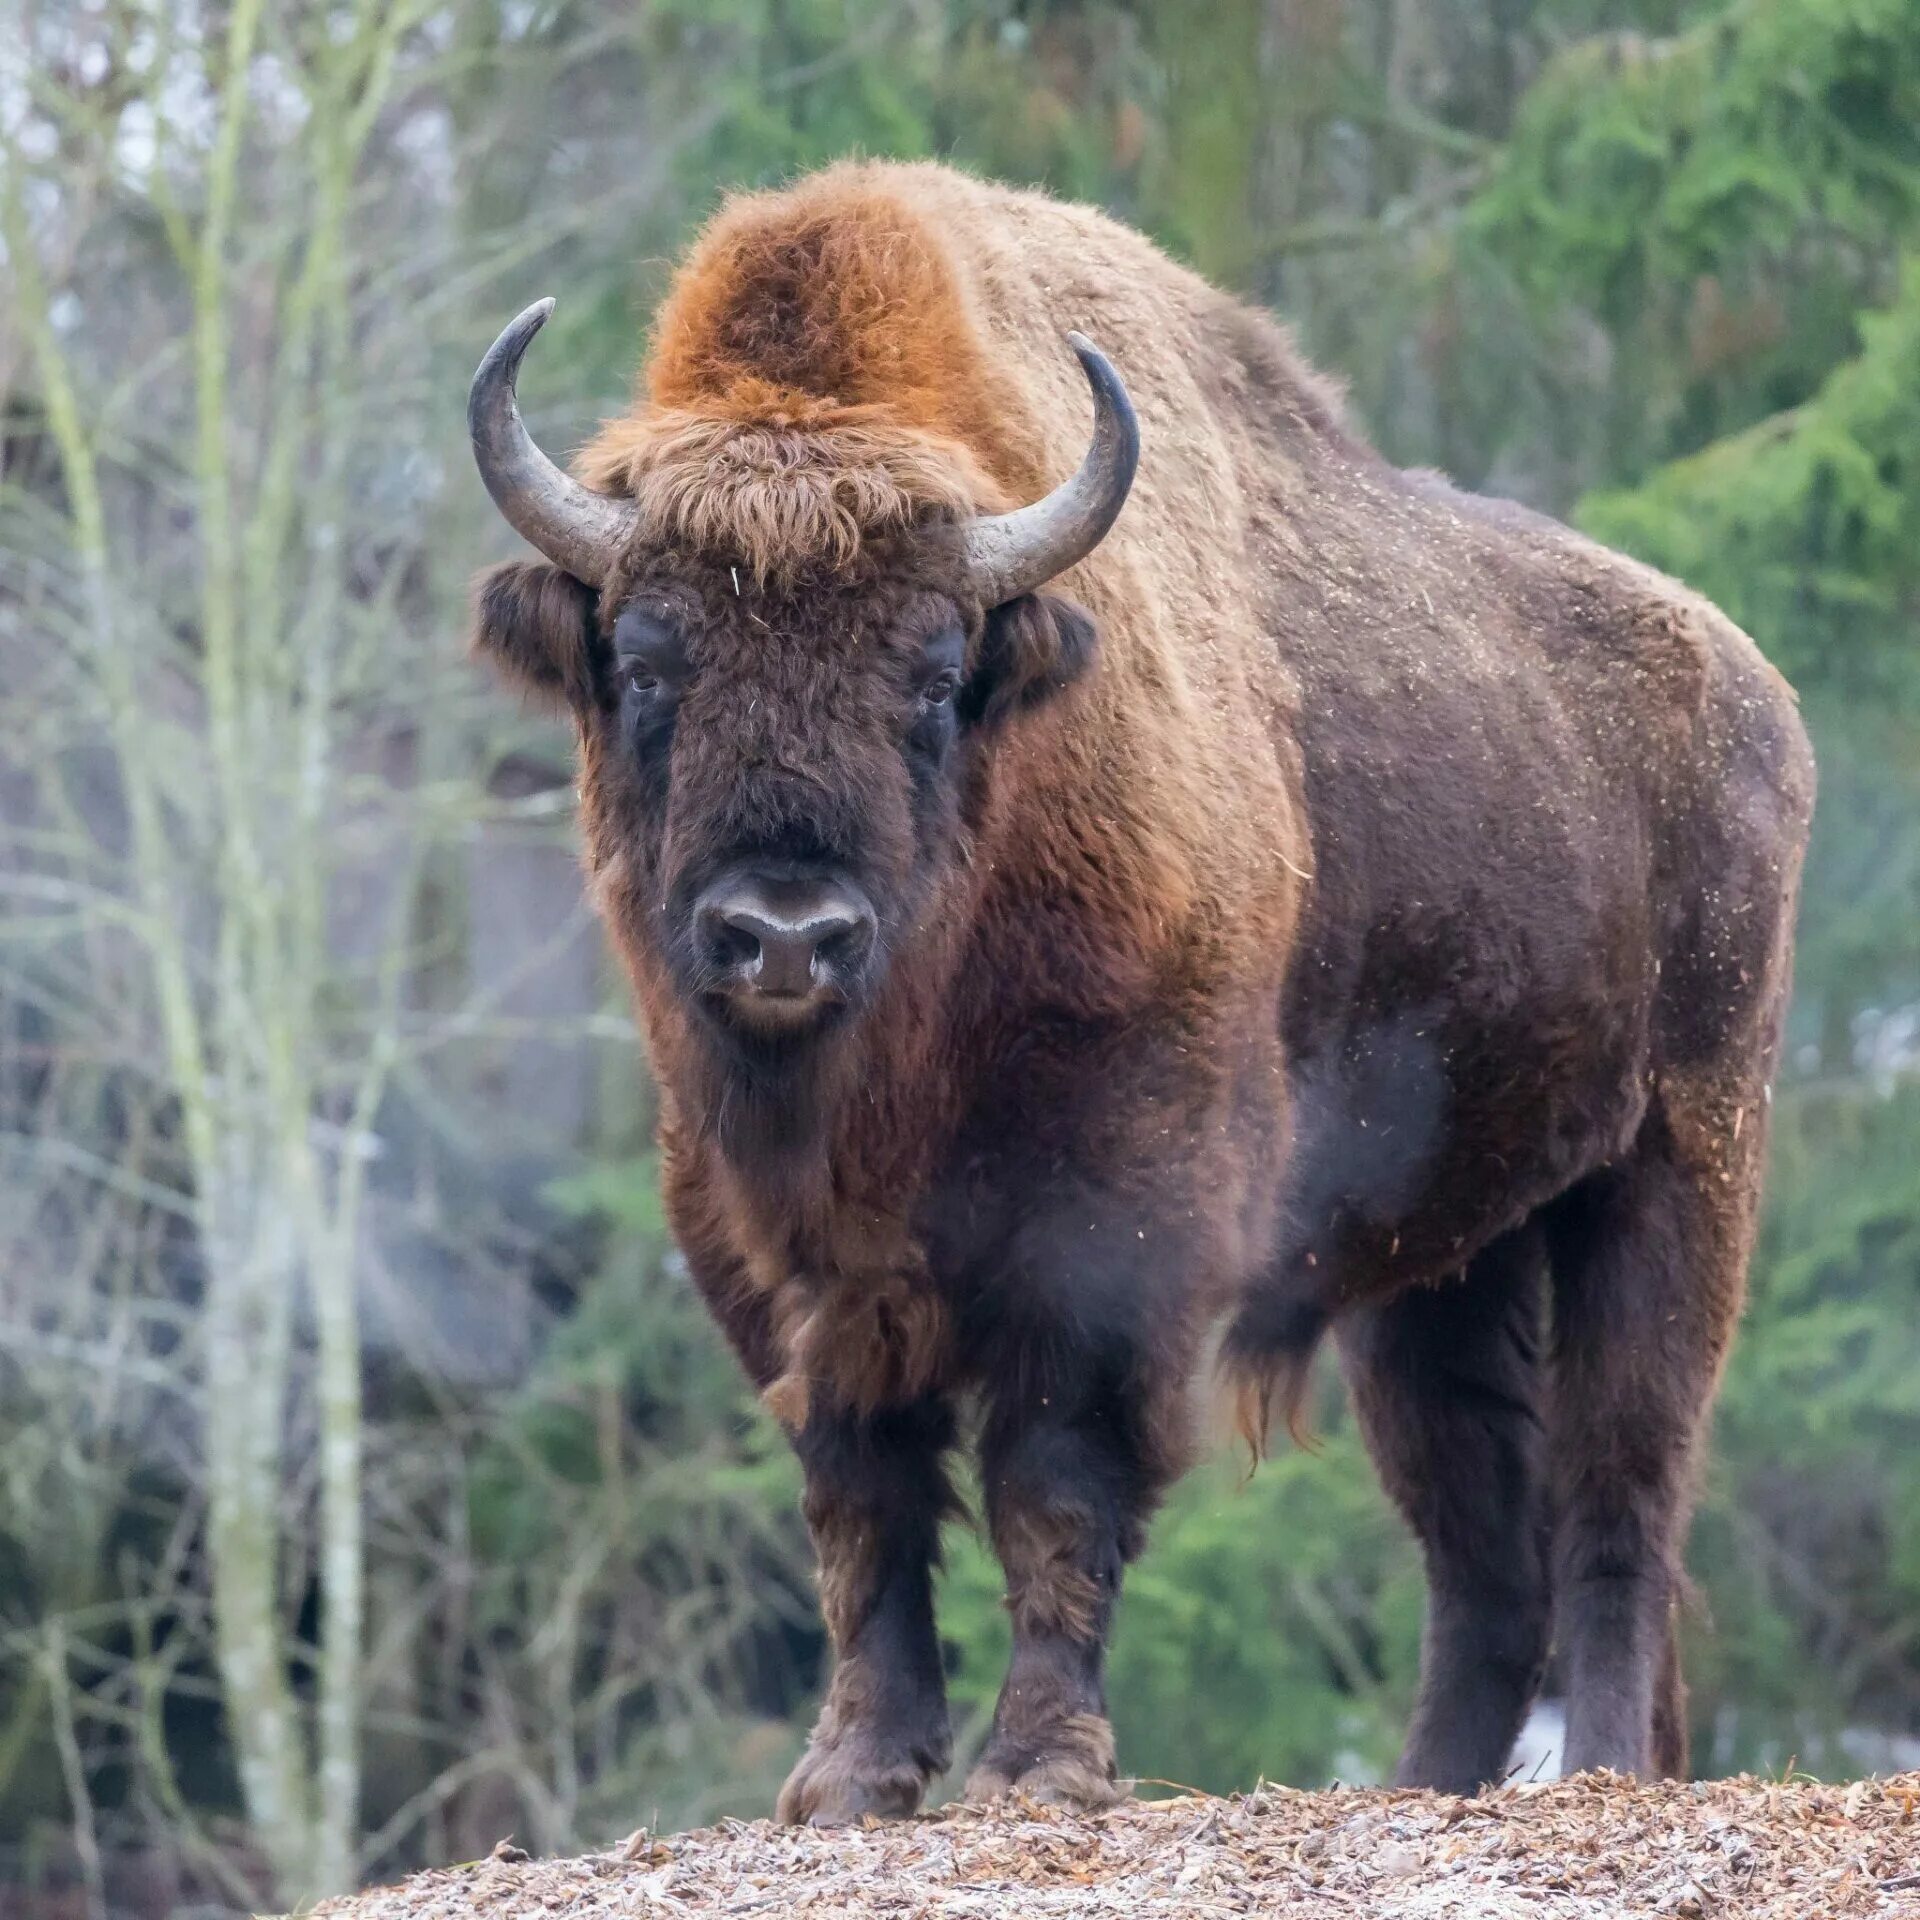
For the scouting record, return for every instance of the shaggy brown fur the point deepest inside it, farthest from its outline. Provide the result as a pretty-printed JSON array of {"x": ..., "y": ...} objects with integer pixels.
[
  {"x": 818, "y": 375},
  {"x": 777, "y": 498},
  {"x": 1382, "y": 926}
]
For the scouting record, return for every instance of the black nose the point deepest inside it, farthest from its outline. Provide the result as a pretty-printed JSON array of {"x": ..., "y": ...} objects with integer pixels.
[{"x": 791, "y": 938}]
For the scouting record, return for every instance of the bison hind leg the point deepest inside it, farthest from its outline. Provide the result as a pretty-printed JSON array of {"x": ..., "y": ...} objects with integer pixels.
[
  {"x": 1446, "y": 1382},
  {"x": 1649, "y": 1268}
]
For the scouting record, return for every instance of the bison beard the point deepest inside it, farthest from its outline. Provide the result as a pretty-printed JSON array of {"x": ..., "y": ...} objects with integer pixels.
[{"x": 1360, "y": 907}]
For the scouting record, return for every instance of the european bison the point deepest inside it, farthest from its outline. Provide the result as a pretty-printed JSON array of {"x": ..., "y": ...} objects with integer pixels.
[{"x": 1359, "y": 906}]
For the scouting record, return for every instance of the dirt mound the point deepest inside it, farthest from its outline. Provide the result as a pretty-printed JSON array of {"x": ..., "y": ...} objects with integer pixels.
[{"x": 1589, "y": 1847}]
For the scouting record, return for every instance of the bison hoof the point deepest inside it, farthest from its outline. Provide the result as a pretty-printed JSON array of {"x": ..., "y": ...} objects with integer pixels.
[
  {"x": 1074, "y": 1769},
  {"x": 839, "y": 1783}
]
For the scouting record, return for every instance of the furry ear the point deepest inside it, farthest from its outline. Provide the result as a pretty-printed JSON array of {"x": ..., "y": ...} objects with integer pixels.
[
  {"x": 539, "y": 627},
  {"x": 1030, "y": 649}
]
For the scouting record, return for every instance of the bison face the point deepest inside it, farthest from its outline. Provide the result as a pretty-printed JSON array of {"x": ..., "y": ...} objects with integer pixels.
[
  {"x": 777, "y": 758},
  {"x": 779, "y": 778}
]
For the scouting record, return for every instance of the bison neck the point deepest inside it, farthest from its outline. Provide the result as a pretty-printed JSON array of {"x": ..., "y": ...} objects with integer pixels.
[{"x": 805, "y": 1184}]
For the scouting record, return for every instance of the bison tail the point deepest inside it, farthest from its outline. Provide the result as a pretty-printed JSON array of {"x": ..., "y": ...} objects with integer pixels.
[{"x": 1266, "y": 1363}]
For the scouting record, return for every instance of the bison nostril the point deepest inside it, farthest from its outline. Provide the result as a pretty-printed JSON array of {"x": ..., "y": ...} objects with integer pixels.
[
  {"x": 843, "y": 943},
  {"x": 730, "y": 943},
  {"x": 835, "y": 949},
  {"x": 786, "y": 938}
]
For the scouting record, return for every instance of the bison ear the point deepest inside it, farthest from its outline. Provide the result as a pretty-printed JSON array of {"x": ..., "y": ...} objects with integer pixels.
[
  {"x": 1030, "y": 649},
  {"x": 539, "y": 627}
]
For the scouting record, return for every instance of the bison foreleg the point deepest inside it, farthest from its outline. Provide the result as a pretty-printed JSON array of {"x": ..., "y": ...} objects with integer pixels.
[
  {"x": 876, "y": 1492},
  {"x": 1065, "y": 1497}
]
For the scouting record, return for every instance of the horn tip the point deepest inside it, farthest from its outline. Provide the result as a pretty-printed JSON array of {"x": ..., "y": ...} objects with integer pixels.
[
  {"x": 528, "y": 321},
  {"x": 1111, "y": 395},
  {"x": 1085, "y": 351},
  {"x": 501, "y": 362},
  {"x": 1100, "y": 371}
]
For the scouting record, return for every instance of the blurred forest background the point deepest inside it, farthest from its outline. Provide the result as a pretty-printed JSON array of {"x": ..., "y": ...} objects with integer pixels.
[{"x": 370, "y": 1484}]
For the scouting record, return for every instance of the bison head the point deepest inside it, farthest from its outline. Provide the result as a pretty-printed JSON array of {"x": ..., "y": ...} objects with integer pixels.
[{"x": 778, "y": 746}]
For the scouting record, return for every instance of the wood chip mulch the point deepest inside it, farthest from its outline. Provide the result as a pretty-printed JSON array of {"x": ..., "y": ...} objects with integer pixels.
[{"x": 1588, "y": 1847}]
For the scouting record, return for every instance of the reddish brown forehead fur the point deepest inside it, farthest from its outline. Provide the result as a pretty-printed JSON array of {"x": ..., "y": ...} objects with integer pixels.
[{"x": 817, "y": 374}]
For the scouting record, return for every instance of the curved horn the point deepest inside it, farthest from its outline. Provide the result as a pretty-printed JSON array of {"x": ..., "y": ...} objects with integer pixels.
[
  {"x": 574, "y": 527},
  {"x": 1009, "y": 554}
]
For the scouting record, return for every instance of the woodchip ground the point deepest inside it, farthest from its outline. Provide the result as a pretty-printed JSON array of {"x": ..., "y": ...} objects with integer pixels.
[{"x": 1589, "y": 1847}]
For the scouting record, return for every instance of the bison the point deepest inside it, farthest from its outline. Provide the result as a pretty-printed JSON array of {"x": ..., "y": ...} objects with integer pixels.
[{"x": 1077, "y": 948}]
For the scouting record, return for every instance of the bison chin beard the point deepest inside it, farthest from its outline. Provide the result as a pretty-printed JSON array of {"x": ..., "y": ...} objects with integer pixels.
[{"x": 768, "y": 1094}]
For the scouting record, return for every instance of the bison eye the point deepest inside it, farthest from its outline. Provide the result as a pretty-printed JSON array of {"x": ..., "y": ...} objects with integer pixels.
[
  {"x": 941, "y": 688},
  {"x": 650, "y": 651}
]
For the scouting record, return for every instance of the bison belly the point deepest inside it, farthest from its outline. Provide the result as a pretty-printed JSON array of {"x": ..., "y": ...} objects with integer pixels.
[{"x": 1464, "y": 1043}]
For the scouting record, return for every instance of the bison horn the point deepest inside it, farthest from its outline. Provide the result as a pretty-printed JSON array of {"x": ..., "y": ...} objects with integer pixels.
[
  {"x": 1009, "y": 554},
  {"x": 574, "y": 527}
]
